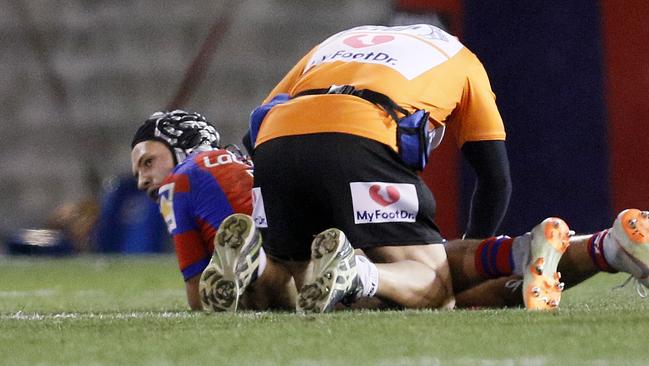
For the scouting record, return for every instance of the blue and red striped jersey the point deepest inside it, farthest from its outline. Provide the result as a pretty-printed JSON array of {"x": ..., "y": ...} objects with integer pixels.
[{"x": 196, "y": 197}]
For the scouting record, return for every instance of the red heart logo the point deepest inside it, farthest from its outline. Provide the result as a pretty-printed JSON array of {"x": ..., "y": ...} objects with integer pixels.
[
  {"x": 366, "y": 40},
  {"x": 391, "y": 191}
]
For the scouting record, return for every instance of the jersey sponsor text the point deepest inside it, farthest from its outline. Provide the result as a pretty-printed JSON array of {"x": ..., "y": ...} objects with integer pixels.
[{"x": 166, "y": 196}]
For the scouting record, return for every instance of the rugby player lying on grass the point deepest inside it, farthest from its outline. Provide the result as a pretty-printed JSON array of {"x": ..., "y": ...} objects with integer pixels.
[{"x": 177, "y": 160}]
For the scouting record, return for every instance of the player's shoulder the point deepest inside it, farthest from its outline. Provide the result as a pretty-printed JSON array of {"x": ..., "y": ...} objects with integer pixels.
[
  {"x": 197, "y": 160},
  {"x": 208, "y": 166},
  {"x": 218, "y": 159},
  {"x": 191, "y": 168}
]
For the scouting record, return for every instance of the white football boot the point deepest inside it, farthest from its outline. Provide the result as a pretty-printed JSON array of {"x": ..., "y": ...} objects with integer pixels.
[
  {"x": 233, "y": 265},
  {"x": 334, "y": 277}
]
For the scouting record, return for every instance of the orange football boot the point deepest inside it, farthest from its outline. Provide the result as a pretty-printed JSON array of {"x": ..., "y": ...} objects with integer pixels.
[{"x": 542, "y": 287}]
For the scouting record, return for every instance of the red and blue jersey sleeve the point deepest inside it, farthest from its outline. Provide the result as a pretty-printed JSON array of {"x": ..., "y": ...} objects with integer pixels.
[{"x": 202, "y": 191}]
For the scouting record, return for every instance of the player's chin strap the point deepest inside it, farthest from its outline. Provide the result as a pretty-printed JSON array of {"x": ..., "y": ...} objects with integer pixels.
[{"x": 238, "y": 153}]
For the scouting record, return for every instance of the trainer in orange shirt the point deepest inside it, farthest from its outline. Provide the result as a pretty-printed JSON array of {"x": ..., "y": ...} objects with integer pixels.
[{"x": 350, "y": 126}]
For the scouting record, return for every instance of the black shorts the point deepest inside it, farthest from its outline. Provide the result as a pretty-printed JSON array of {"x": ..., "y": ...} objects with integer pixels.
[{"x": 308, "y": 183}]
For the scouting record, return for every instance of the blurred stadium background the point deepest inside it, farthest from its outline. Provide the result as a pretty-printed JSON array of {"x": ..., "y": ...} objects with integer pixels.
[{"x": 571, "y": 77}]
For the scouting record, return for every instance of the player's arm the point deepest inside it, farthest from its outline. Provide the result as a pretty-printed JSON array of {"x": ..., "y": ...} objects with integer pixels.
[
  {"x": 193, "y": 257},
  {"x": 480, "y": 132},
  {"x": 215, "y": 193},
  {"x": 191, "y": 250},
  {"x": 492, "y": 189},
  {"x": 191, "y": 288}
]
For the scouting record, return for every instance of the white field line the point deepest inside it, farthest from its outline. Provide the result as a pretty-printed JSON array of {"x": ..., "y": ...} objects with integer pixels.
[
  {"x": 433, "y": 361},
  {"x": 27, "y": 316},
  {"x": 32, "y": 293},
  {"x": 101, "y": 316},
  {"x": 84, "y": 293}
]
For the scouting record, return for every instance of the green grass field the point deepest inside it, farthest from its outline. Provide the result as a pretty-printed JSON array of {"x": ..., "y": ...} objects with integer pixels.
[{"x": 131, "y": 311}]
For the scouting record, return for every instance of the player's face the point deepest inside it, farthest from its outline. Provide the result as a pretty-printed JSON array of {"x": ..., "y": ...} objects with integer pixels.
[{"x": 151, "y": 162}]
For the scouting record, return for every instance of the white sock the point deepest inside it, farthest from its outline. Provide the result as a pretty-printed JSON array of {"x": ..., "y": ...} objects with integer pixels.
[
  {"x": 262, "y": 262},
  {"x": 368, "y": 274},
  {"x": 521, "y": 253}
]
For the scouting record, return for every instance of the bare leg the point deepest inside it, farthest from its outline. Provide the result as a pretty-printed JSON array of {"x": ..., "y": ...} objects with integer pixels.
[
  {"x": 413, "y": 276},
  {"x": 491, "y": 294},
  {"x": 407, "y": 282},
  {"x": 473, "y": 290},
  {"x": 297, "y": 269},
  {"x": 274, "y": 289},
  {"x": 461, "y": 259},
  {"x": 576, "y": 265},
  {"x": 277, "y": 287}
]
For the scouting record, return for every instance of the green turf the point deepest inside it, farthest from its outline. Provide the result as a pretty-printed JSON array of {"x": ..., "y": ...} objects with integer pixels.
[{"x": 131, "y": 311}]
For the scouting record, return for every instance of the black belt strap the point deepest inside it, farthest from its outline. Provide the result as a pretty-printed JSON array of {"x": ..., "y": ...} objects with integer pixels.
[{"x": 380, "y": 99}]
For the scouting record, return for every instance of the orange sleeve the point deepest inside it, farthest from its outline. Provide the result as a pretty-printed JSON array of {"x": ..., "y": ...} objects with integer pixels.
[{"x": 477, "y": 117}]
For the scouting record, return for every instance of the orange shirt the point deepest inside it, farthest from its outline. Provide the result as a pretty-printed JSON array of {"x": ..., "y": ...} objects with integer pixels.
[{"x": 419, "y": 67}]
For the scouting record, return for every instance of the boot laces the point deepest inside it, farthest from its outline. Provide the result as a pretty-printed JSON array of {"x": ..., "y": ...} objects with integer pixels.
[
  {"x": 640, "y": 288},
  {"x": 513, "y": 285}
]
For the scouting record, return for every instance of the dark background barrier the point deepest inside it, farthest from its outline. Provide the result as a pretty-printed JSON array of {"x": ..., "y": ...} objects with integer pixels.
[{"x": 571, "y": 79}]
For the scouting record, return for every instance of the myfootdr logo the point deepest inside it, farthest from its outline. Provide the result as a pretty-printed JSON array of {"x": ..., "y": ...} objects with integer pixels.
[
  {"x": 386, "y": 197},
  {"x": 391, "y": 47},
  {"x": 376, "y": 202},
  {"x": 367, "y": 40}
]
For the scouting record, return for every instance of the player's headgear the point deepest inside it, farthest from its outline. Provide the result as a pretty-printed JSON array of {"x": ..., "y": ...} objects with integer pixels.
[{"x": 183, "y": 132}]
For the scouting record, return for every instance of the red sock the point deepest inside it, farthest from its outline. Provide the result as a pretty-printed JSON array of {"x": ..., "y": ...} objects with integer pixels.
[
  {"x": 596, "y": 251},
  {"x": 493, "y": 258}
]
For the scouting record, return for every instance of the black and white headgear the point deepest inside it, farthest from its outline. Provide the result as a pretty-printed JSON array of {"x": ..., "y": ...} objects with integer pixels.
[{"x": 183, "y": 132}]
